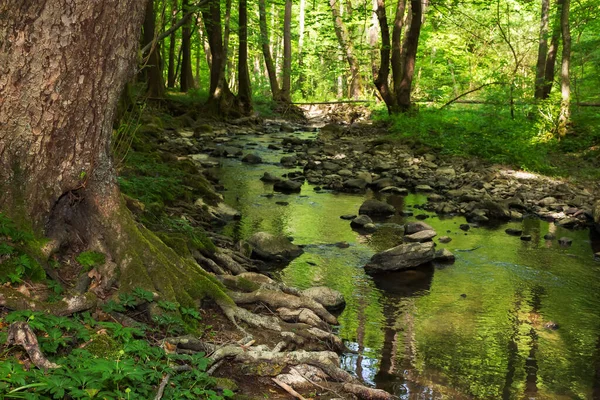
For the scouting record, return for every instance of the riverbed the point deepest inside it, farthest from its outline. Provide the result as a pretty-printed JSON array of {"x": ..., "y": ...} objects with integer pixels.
[{"x": 509, "y": 319}]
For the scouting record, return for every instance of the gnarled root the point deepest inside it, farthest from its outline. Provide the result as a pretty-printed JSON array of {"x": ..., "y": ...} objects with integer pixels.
[
  {"x": 19, "y": 333},
  {"x": 15, "y": 300}
]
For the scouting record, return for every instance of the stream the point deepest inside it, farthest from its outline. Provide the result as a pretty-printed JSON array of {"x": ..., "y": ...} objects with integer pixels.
[{"x": 482, "y": 327}]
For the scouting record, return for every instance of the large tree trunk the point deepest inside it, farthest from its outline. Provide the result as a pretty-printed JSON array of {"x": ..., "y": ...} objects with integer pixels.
[
  {"x": 344, "y": 40},
  {"x": 244, "y": 92},
  {"x": 187, "y": 76},
  {"x": 226, "y": 35},
  {"x": 398, "y": 51},
  {"x": 408, "y": 67},
  {"x": 286, "y": 85},
  {"x": 151, "y": 71},
  {"x": 301, "y": 16},
  {"x": 540, "y": 70},
  {"x": 565, "y": 82},
  {"x": 171, "y": 71},
  {"x": 59, "y": 96},
  {"x": 266, "y": 48}
]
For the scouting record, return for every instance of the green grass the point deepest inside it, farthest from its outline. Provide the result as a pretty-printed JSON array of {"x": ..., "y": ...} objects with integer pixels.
[{"x": 491, "y": 134}]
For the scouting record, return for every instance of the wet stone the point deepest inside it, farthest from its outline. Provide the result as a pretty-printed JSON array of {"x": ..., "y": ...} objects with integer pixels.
[
  {"x": 445, "y": 239},
  {"x": 565, "y": 241},
  {"x": 465, "y": 227},
  {"x": 514, "y": 232},
  {"x": 526, "y": 238},
  {"x": 348, "y": 216}
]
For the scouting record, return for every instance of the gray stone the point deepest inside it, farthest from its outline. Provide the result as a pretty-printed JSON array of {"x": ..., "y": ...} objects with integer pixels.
[
  {"x": 287, "y": 186},
  {"x": 395, "y": 190},
  {"x": 382, "y": 183},
  {"x": 421, "y": 236},
  {"x": 423, "y": 189},
  {"x": 514, "y": 232},
  {"x": 252, "y": 159},
  {"x": 358, "y": 184},
  {"x": 445, "y": 239},
  {"x": 404, "y": 256},
  {"x": 289, "y": 161},
  {"x": 361, "y": 221},
  {"x": 444, "y": 255},
  {"x": 273, "y": 248},
  {"x": 547, "y": 201},
  {"x": 348, "y": 216},
  {"x": 270, "y": 178},
  {"x": 568, "y": 222},
  {"x": 414, "y": 227},
  {"x": 565, "y": 241},
  {"x": 328, "y": 298},
  {"x": 376, "y": 208},
  {"x": 344, "y": 172}
]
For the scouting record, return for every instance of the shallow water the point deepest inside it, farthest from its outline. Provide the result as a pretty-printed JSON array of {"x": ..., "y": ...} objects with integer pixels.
[{"x": 473, "y": 329}]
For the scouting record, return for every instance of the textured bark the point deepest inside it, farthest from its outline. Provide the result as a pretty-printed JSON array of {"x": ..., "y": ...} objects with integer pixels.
[
  {"x": 344, "y": 41},
  {"x": 286, "y": 85},
  {"x": 397, "y": 44},
  {"x": 540, "y": 69},
  {"x": 266, "y": 49},
  {"x": 220, "y": 98},
  {"x": 549, "y": 70},
  {"x": 244, "y": 91},
  {"x": 381, "y": 81},
  {"x": 63, "y": 65},
  {"x": 19, "y": 333},
  {"x": 152, "y": 71},
  {"x": 411, "y": 44},
  {"x": 171, "y": 71},
  {"x": 565, "y": 81},
  {"x": 187, "y": 76},
  {"x": 300, "y": 81}
]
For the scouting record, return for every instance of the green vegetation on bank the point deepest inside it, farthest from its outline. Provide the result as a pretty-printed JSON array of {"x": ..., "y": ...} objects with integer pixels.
[{"x": 489, "y": 132}]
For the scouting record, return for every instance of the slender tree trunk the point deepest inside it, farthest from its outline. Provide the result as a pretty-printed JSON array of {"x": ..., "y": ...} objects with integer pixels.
[
  {"x": 540, "y": 70},
  {"x": 549, "y": 70},
  {"x": 565, "y": 82},
  {"x": 204, "y": 39},
  {"x": 226, "y": 35},
  {"x": 220, "y": 98},
  {"x": 171, "y": 71},
  {"x": 381, "y": 81},
  {"x": 155, "y": 86},
  {"x": 372, "y": 35},
  {"x": 244, "y": 91},
  {"x": 266, "y": 49},
  {"x": 286, "y": 85},
  {"x": 344, "y": 40},
  {"x": 398, "y": 51},
  {"x": 187, "y": 76},
  {"x": 300, "y": 81},
  {"x": 411, "y": 45}
]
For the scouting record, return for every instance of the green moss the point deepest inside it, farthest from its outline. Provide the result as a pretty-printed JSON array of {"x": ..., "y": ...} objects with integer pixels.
[
  {"x": 103, "y": 346},
  {"x": 247, "y": 285},
  {"x": 224, "y": 383}
]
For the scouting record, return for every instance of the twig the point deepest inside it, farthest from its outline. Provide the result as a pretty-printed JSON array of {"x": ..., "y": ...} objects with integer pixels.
[
  {"x": 214, "y": 367},
  {"x": 288, "y": 389},
  {"x": 165, "y": 380}
]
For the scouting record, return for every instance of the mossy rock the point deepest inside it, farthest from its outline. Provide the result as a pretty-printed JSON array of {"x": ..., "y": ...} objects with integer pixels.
[
  {"x": 103, "y": 346},
  {"x": 203, "y": 128},
  {"x": 225, "y": 384},
  {"x": 263, "y": 369}
]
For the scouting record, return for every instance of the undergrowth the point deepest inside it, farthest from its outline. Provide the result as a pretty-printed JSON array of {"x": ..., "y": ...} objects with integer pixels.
[
  {"x": 99, "y": 360},
  {"x": 526, "y": 142}
]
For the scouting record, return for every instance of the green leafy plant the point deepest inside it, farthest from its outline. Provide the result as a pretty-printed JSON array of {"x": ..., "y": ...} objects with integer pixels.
[{"x": 90, "y": 259}]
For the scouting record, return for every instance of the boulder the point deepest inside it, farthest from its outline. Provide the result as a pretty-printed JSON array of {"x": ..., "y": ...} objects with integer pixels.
[
  {"x": 445, "y": 239},
  {"x": 289, "y": 161},
  {"x": 423, "y": 189},
  {"x": 288, "y": 186},
  {"x": 376, "y": 208},
  {"x": 421, "y": 236},
  {"x": 395, "y": 190},
  {"x": 513, "y": 231},
  {"x": 404, "y": 256},
  {"x": 565, "y": 241},
  {"x": 252, "y": 159},
  {"x": 266, "y": 246},
  {"x": 382, "y": 183},
  {"x": 355, "y": 184},
  {"x": 328, "y": 298}
]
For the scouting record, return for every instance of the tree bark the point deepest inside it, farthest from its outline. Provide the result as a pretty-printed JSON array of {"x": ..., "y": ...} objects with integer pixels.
[
  {"x": 344, "y": 41},
  {"x": 266, "y": 49},
  {"x": 244, "y": 92},
  {"x": 155, "y": 85},
  {"x": 286, "y": 86},
  {"x": 565, "y": 82},
  {"x": 226, "y": 35},
  {"x": 171, "y": 71},
  {"x": 540, "y": 69},
  {"x": 397, "y": 48},
  {"x": 549, "y": 70},
  {"x": 301, "y": 17},
  {"x": 408, "y": 67},
  {"x": 381, "y": 81},
  {"x": 187, "y": 75}
]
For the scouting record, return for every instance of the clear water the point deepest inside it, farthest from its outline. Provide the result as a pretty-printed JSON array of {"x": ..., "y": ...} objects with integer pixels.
[{"x": 474, "y": 329}]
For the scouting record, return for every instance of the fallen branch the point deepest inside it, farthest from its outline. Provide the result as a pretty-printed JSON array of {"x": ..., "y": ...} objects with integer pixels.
[
  {"x": 471, "y": 91},
  {"x": 365, "y": 392},
  {"x": 165, "y": 380},
  {"x": 15, "y": 300},
  {"x": 20, "y": 333},
  {"x": 288, "y": 389}
]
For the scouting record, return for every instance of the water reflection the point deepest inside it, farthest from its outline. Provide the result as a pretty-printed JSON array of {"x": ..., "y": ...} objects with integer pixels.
[{"x": 476, "y": 329}]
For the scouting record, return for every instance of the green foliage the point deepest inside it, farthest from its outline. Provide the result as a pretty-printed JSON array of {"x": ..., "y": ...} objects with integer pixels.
[
  {"x": 90, "y": 259},
  {"x": 114, "y": 364},
  {"x": 16, "y": 262}
]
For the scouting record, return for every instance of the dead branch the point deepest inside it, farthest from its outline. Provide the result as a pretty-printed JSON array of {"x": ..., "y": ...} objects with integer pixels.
[{"x": 20, "y": 334}]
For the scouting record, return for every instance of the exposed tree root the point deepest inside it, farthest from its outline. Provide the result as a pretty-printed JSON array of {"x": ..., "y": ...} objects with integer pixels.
[
  {"x": 19, "y": 333},
  {"x": 228, "y": 263},
  {"x": 365, "y": 392},
  {"x": 303, "y": 315},
  {"x": 276, "y": 299},
  {"x": 209, "y": 264},
  {"x": 15, "y": 300}
]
